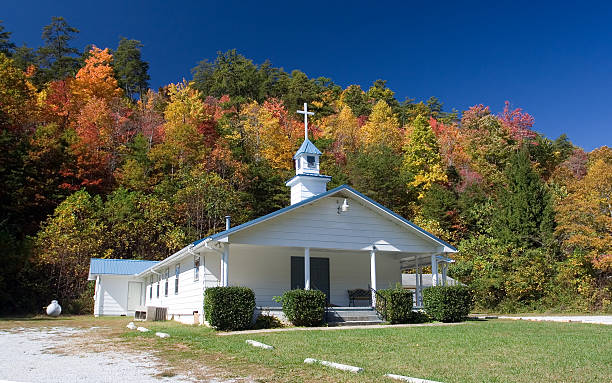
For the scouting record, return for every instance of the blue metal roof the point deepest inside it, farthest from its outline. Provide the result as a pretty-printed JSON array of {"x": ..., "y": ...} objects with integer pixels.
[
  {"x": 118, "y": 266},
  {"x": 308, "y": 148},
  {"x": 314, "y": 198}
]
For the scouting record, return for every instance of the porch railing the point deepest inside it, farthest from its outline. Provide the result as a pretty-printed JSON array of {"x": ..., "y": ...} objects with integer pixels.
[{"x": 380, "y": 305}]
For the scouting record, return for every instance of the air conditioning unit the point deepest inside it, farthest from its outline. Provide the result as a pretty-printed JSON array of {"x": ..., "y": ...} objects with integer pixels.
[{"x": 156, "y": 313}]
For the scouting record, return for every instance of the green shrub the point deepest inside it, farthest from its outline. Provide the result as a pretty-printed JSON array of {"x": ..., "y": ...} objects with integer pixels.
[
  {"x": 229, "y": 308},
  {"x": 398, "y": 306},
  {"x": 264, "y": 321},
  {"x": 304, "y": 307},
  {"x": 447, "y": 303}
]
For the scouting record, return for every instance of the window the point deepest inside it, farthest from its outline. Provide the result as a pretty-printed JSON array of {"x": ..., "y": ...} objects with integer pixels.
[
  {"x": 196, "y": 269},
  {"x": 297, "y": 163},
  {"x": 158, "y": 282},
  {"x": 166, "y": 284},
  {"x": 311, "y": 161},
  {"x": 151, "y": 288},
  {"x": 177, "y": 271}
]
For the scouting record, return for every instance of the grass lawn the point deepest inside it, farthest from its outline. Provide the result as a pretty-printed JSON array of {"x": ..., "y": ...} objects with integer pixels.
[{"x": 477, "y": 351}]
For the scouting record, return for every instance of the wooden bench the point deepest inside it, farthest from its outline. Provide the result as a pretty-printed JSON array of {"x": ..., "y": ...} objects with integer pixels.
[{"x": 359, "y": 295}]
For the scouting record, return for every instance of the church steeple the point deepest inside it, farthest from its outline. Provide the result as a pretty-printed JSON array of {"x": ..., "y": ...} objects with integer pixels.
[{"x": 308, "y": 181}]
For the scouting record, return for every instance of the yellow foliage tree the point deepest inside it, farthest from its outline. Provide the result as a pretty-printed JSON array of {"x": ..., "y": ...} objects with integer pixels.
[
  {"x": 343, "y": 129},
  {"x": 270, "y": 133},
  {"x": 382, "y": 128},
  {"x": 422, "y": 159},
  {"x": 182, "y": 142},
  {"x": 585, "y": 215}
]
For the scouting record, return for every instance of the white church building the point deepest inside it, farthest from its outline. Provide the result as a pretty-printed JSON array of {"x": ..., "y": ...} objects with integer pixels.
[{"x": 338, "y": 241}]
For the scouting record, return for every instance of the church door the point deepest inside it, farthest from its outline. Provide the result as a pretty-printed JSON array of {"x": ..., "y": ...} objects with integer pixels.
[{"x": 319, "y": 274}]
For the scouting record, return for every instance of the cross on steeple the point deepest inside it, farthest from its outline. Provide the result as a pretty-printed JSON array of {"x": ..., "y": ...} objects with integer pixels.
[{"x": 306, "y": 113}]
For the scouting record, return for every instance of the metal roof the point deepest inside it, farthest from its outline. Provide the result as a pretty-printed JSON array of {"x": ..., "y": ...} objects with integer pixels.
[
  {"x": 118, "y": 266},
  {"x": 323, "y": 195},
  {"x": 308, "y": 148}
]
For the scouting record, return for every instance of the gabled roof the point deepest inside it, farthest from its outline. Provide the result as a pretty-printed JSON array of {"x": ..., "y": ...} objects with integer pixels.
[
  {"x": 339, "y": 189},
  {"x": 308, "y": 148},
  {"x": 99, "y": 266}
]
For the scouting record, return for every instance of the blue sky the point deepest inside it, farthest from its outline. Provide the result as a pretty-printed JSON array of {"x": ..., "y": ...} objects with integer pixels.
[{"x": 551, "y": 59}]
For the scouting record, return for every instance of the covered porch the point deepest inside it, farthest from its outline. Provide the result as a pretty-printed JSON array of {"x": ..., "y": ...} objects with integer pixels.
[{"x": 272, "y": 270}]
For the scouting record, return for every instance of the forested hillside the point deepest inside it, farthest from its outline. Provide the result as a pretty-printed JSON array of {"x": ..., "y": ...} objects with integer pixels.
[{"x": 93, "y": 163}]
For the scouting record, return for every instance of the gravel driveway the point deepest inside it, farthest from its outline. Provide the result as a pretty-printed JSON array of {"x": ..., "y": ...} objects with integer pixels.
[{"x": 37, "y": 355}]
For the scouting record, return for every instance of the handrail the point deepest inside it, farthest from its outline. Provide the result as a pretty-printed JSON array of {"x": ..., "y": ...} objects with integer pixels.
[{"x": 380, "y": 305}]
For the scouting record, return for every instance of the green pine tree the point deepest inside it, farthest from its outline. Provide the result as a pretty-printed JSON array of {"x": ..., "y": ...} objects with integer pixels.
[{"x": 525, "y": 217}]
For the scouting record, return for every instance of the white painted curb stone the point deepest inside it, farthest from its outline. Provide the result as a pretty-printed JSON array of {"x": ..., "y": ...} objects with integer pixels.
[
  {"x": 259, "y": 344},
  {"x": 162, "y": 335},
  {"x": 343, "y": 367},
  {"x": 131, "y": 326},
  {"x": 142, "y": 329},
  {"x": 409, "y": 379}
]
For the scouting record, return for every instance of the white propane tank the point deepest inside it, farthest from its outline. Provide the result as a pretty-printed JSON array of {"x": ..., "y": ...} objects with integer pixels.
[{"x": 54, "y": 309}]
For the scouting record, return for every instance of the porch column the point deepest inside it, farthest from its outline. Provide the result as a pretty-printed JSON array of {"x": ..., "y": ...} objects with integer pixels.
[
  {"x": 421, "y": 285},
  {"x": 373, "y": 274},
  {"x": 224, "y": 265},
  {"x": 434, "y": 270},
  {"x": 306, "y": 268}
]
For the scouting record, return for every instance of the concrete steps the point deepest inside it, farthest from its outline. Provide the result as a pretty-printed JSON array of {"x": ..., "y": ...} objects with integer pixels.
[{"x": 352, "y": 316}]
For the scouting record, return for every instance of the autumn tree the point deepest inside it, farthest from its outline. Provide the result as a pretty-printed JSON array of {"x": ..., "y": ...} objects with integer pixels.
[
  {"x": 585, "y": 223},
  {"x": 97, "y": 78},
  {"x": 67, "y": 241},
  {"x": 183, "y": 144},
  {"x": 140, "y": 226},
  {"x": 271, "y": 133},
  {"x": 17, "y": 97},
  {"x": 422, "y": 161},
  {"x": 382, "y": 128},
  {"x": 203, "y": 200},
  {"x": 343, "y": 129}
]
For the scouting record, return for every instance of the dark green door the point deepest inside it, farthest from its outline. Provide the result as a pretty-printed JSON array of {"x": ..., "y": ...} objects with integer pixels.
[{"x": 319, "y": 274}]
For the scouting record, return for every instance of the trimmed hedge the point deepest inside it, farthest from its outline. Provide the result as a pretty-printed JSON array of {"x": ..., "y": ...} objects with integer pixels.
[
  {"x": 229, "y": 308},
  {"x": 304, "y": 307},
  {"x": 448, "y": 303},
  {"x": 399, "y": 306}
]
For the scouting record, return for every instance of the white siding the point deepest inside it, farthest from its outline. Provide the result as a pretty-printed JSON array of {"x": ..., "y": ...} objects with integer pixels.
[
  {"x": 319, "y": 225},
  {"x": 190, "y": 293},
  {"x": 304, "y": 187},
  {"x": 267, "y": 270},
  {"x": 112, "y": 295}
]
